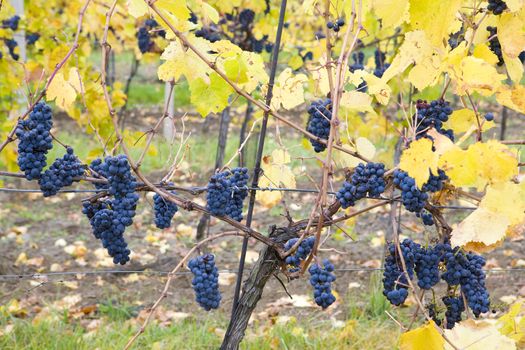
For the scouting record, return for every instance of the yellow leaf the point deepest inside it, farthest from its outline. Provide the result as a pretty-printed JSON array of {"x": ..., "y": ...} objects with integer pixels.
[
  {"x": 475, "y": 74},
  {"x": 288, "y": 90},
  {"x": 64, "y": 92},
  {"x": 511, "y": 32},
  {"x": 137, "y": 8},
  {"x": 358, "y": 101},
  {"x": 511, "y": 325},
  {"x": 463, "y": 120},
  {"x": 212, "y": 97},
  {"x": 483, "y": 51},
  {"x": 502, "y": 206},
  {"x": 423, "y": 15},
  {"x": 425, "y": 337},
  {"x": 512, "y": 97},
  {"x": 276, "y": 173},
  {"x": 363, "y": 146},
  {"x": 177, "y": 8},
  {"x": 514, "y": 67},
  {"x": 477, "y": 335},
  {"x": 295, "y": 62},
  {"x": 419, "y": 160},
  {"x": 391, "y": 13}
]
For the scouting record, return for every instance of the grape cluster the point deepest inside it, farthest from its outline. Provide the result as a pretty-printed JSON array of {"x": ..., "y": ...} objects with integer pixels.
[
  {"x": 205, "y": 281},
  {"x": 226, "y": 193},
  {"x": 358, "y": 64},
  {"x": 35, "y": 140},
  {"x": 320, "y": 114},
  {"x": 32, "y": 38},
  {"x": 336, "y": 26},
  {"x": 61, "y": 173},
  {"x": 303, "y": 250},
  {"x": 456, "y": 38},
  {"x": 427, "y": 265},
  {"x": 110, "y": 217},
  {"x": 164, "y": 211},
  {"x": 433, "y": 313},
  {"x": 240, "y": 28},
  {"x": 455, "y": 307},
  {"x": 433, "y": 114},
  {"x": 413, "y": 198},
  {"x": 366, "y": 180},
  {"x": 466, "y": 270},
  {"x": 321, "y": 278},
  {"x": 426, "y": 217},
  {"x": 11, "y": 23},
  {"x": 145, "y": 37},
  {"x": 435, "y": 182},
  {"x": 210, "y": 33},
  {"x": 497, "y": 6},
  {"x": 381, "y": 66},
  {"x": 395, "y": 283},
  {"x": 495, "y": 45},
  {"x": 11, "y": 46}
]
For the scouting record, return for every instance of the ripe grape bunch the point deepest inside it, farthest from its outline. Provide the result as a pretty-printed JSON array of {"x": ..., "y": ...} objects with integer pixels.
[
  {"x": 466, "y": 270},
  {"x": 164, "y": 211},
  {"x": 239, "y": 30},
  {"x": 414, "y": 199},
  {"x": 226, "y": 193},
  {"x": 144, "y": 35},
  {"x": 110, "y": 217},
  {"x": 61, "y": 173},
  {"x": 11, "y": 23},
  {"x": 320, "y": 112},
  {"x": 432, "y": 114},
  {"x": 366, "y": 180},
  {"x": 321, "y": 278},
  {"x": 427, "y": 264},
  {"x": 497, "y": 6},
  {"x": 336, "y": 26},
  {"x": 455, "y": 308},
  {"x": 303, "y": 250},
  {"x": 395, "y": 283},
  {"x": 495, "y": 45},
  {"x": 205, "y": 281},
  {"x": 381, "y": 65},
  {"x": 34, "y": 141}
]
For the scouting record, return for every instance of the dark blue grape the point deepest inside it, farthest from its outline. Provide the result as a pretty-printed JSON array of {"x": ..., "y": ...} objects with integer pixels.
[
  {"x": 395, "y": 283},
  {"x": 414, "y": 200},
  {"x": 320, "y": 114},
  {"x": 294, "y": 260},
  {"x": 246, "y": 18},
  {"x": 226, "y": 193},
  {"x": 164, "y": 211},
  {"x": 494, "y": 44},
  {"x": 366, "y": 180},
  {"x": 489, "y": 117},
  {"x": 208, "y": 33},
  {"x": 432, "y": 114},
  {"x": 32, "y": 38},
  {"x": 435, "y": 182},
  {"x": 381, "y": 65},
  {"x": 455, "y": 307},
  {"x": 433, "y": 313},
  {"x": 497, "y": 6},
  {"x": 427, "y": 218},
  {"x": 61, "y": 173},
  {"x": 340, "y": 22},
  {"x": 427, "y": 265},
  {"x": 110, "y": 217},
  {"x": 321, "y": 278},
  {"x": 11, "y": 46},
  {"x": 34, "y": 141},
  {"x": 205, "y": 281},
  {"x": 11, "y": 23},
  {"x": 144, "y": 40}
]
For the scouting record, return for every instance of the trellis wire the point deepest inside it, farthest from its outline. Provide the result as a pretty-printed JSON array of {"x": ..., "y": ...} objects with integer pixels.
[
  {"x": 204, "y": 189},
  {"x": 185, "y": 273}
]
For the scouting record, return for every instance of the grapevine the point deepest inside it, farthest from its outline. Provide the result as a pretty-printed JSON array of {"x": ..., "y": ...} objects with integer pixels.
[
  {"x": 319, "y": 122},
  {"x": 164, "y": 211},
  {"x": 321, "y": 278},
  {"x": 205, "y": 281}
]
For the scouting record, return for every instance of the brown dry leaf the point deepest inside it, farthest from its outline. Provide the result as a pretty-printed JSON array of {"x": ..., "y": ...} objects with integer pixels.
[
  {"x": 37, "y": 262},
  {"x": 71, "y": 284},
  {"x": 22, "y": 259},
  {"x": 374, "y": 263},
  {"x": 226, "y": 279},
  {"x": 131, "y": 278},
  {"x": 68, "y": 301}
]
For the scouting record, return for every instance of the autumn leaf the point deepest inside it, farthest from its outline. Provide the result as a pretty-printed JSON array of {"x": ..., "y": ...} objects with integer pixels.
[
  {"x": 64, "y": 92},
  {"x": 425, "y": 337},
  {"x": 276, "y": 172},
  {"x": 488, "y": 224},
  {"x": 288, "y": 91},
  {"x": 419, "y": 160},
  {"x": 477, "y": 335},
  {"x": 463, "y": 120},
  {"x": 423, "y": 16},
  {"x": 470, "y": 168},
  {"x": 212, "y": 97}
]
